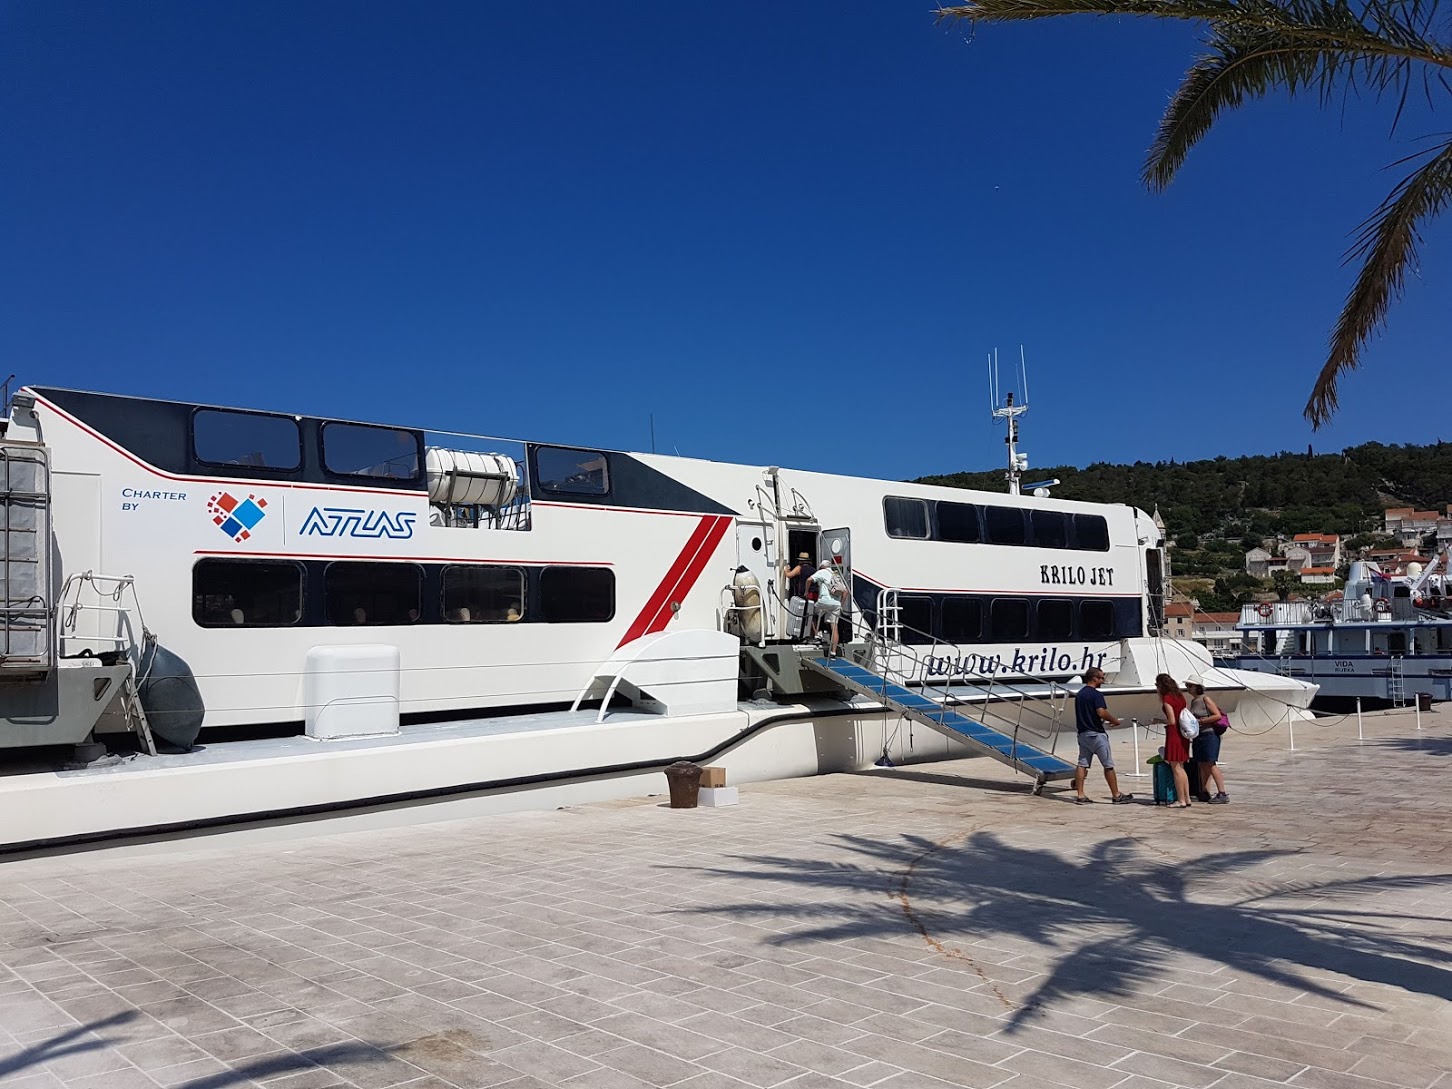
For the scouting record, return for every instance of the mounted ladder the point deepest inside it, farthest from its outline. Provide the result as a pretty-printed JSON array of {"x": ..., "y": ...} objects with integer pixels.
[
  {"x": 131, "y": 645},
  {"x": 27, "y": 612},
  {"x": 1396, "y": 688}
]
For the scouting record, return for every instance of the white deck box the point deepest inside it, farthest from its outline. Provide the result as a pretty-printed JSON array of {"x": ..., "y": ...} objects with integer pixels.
[{"x": 352, "y": 691}]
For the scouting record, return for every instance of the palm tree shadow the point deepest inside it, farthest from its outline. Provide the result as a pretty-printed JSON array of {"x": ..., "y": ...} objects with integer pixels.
[
  {"x": 72, "y": 1042},
  {"x": 69, "y": 1042},
  {"x": 1118, "y": 916}
]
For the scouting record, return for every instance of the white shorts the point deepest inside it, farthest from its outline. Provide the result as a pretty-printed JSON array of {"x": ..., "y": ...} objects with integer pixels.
[{"x": 827, "y": 608}]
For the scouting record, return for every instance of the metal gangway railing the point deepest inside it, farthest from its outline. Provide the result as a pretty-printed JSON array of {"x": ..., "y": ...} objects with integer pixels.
[{"x": 1038, "y": 702}]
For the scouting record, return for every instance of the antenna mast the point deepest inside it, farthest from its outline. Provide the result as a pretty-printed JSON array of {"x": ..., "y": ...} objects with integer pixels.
[{"x": 1009, "y": 413}]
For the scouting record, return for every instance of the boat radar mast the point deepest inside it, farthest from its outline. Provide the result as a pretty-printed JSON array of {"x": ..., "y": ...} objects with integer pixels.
[{"x": 1009, "y": 413}]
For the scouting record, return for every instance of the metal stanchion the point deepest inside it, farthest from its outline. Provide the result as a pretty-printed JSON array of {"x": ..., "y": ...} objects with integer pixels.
[
  {"x": 1134, "y": 729},
  {"x": 1291, "y": 727},
  {"x": 1419, "y": 714},
  {"x": 1359, "y": 735}
]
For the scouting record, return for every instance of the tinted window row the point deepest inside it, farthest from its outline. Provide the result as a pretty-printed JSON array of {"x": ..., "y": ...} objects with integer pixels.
[
  {"x": 279, "y": 593},
  {"x": 984, "y": 618},
  {"x": 979, "y": 523},
  {"x": 261, "y": 440}
]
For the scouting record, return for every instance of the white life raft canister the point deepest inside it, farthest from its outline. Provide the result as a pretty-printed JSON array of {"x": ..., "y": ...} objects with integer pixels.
[{"x": 746, "y": 592}]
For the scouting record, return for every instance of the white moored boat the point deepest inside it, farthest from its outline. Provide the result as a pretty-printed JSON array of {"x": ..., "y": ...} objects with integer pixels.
[
  {"x": 1386, "y": 643},
  {"x": 407, "y": 613}
]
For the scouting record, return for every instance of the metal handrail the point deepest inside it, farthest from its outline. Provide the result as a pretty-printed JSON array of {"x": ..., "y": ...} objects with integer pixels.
[
  {"x": 880, "y": 649},
  {"x": 723, "y": 610},
  {"x": 801, "y": 510}
]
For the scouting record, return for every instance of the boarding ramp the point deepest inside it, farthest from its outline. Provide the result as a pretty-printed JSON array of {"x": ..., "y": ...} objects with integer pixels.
[{"x": 1010, "y": 712}]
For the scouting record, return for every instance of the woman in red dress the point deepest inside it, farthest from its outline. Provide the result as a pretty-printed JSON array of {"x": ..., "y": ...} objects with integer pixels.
[{"x": 1177, "y": 749}]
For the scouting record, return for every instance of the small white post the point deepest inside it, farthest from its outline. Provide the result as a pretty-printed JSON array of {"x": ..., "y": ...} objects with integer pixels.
[
  {"x": 1419, "y": 711},
  {"x": 1291, "y": 726},
  {"x": 1359, "y": 735},
  {"x": 1134, "y": 729}
]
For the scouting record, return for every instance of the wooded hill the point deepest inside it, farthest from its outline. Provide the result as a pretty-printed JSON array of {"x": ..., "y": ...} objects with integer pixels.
[{"x": 1261, "y": 496}]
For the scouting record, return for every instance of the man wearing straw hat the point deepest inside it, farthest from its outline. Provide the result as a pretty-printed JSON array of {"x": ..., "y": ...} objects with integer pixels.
[{"x": 796, "y": 578}]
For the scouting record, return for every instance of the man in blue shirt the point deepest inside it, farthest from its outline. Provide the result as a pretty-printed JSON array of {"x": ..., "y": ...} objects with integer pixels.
[{"x": 1090, "y": 715}]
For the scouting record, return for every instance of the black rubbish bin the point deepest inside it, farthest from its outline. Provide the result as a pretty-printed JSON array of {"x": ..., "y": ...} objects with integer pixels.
[
  {"x": 685, "y": 780},
  {"x": 1424, "y": 701}
]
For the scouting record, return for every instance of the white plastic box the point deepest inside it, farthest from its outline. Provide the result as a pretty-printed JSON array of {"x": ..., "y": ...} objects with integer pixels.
[
  {"x": 716, "y": 797},
  {"x": 352, "y": 691}
]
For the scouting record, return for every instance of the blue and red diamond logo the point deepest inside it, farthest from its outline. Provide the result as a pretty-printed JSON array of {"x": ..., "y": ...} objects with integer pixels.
[{"x": 236, "y": 518}]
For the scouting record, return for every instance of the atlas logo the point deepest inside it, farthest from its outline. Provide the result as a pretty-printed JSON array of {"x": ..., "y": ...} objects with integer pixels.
[
  {"x": 358, "y": 522},
  {"x": 237, "y": 518}
]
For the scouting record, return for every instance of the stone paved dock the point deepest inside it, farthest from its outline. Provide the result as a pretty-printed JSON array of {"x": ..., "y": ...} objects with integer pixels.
[{"x": 930, "y": 926}]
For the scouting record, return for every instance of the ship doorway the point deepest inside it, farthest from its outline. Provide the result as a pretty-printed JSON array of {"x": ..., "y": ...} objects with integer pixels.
[{"x": 790, "y": 593}]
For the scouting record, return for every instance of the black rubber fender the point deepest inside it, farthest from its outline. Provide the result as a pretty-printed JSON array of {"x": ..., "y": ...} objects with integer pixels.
[{"x": 170, "y": 697}]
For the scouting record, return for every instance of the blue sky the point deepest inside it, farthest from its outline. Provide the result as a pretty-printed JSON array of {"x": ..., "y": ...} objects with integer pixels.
[{"x": 792, "y": 232}]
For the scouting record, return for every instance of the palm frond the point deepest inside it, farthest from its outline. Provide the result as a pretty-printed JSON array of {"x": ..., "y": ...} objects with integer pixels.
[
  {"x": 1015, "y": 11},
  {"x": 1331, "y": 49},
  {"x": 1387, "y": 242}
]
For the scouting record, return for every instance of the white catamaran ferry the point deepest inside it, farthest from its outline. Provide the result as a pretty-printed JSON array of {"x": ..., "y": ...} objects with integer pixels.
[{"x": 388, "y": 613}]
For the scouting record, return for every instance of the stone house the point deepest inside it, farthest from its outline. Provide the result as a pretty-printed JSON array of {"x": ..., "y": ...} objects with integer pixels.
[
  {"x": 1255, "y": 562},
  {"x": 1325, "y": 548},
  {"x": 1179, "y": 620},
  {"x": 1297, "y": 557}
]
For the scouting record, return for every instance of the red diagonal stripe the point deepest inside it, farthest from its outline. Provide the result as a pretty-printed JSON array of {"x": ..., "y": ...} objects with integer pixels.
[
  {"x": 661, "y": 593},
  {"x": 688, "y": 578}
]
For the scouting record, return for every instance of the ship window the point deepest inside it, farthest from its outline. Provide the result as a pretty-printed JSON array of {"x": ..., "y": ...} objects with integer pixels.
[
  {"x": 383, "y": 453},
  {"x": 1091, "y": 533},
  {"x": 962, "y": 619},
  {"x": 1056, "y": 618},
  {"x": 372, "y": 593},
  {"x": 253, "y": 439},
  {"x": 1096, "y": 620},
  {"x": 1005, "y": 525},
  {"x": 572, "y": 472},
  {"x": 246, "y": 593},
  {"x": 916, "y": 617},
  {"x": 576, "y": 594},
  {"x": 483, "y": 595},
  {"x": 905, "y": 517},
  {"x": 1051, "y": 528},
  {"x": 959, "y": 522},
  {"x": 1008, "y": 619}
]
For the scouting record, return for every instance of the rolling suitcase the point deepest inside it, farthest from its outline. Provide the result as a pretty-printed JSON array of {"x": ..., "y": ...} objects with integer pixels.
[
  {"x": 1164, "y": 783},
  {"x": 1197, "y": 788}
]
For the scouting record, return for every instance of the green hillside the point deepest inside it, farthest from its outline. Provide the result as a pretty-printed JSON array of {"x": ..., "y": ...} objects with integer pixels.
[
  {"x": 1215, "y": 510},
  {"x": 1258, "y": 496}
]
